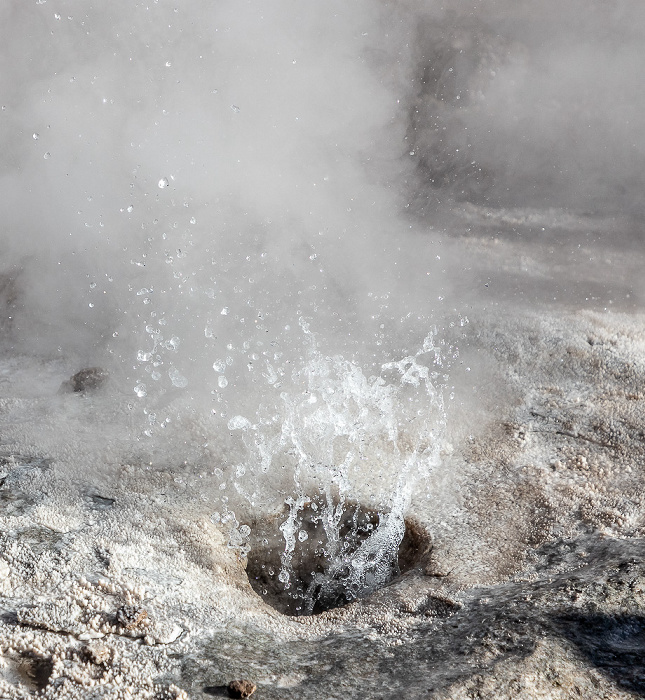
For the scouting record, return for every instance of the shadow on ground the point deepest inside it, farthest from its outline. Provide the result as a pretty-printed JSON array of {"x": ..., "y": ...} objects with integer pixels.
[{"x": 614, "y": 645}]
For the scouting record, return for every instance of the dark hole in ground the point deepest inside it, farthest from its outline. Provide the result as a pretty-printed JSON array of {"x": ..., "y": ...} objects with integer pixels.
[
  {"x": 101, "y": 502},
  {"x": 36, "y": 672},
  {"x": 319, "y": 581}
]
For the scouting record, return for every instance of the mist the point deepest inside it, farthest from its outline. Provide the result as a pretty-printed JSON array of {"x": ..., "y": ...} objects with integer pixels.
[
  {"x": 137, "y": 149},
  {"x": 201, "y": 199},
  {"x": 530, "y": 104}
]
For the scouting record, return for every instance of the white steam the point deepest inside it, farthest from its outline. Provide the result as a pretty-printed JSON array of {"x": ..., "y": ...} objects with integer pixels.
[{"x": 270, "y": 130}]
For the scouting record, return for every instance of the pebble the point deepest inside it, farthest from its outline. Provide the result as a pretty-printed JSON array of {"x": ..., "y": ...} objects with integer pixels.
[{"x": 241, "y": 689}]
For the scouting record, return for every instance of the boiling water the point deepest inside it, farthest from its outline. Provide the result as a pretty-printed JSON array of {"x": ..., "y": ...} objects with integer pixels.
[
  {"x": 246, "y": 214},
  {"x": 333, "y": 428}
]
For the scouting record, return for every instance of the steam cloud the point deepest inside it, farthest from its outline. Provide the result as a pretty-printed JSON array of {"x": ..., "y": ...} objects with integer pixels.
[
  {"x": 230, "y": 166},
  {"x": 531, "y": 104}
]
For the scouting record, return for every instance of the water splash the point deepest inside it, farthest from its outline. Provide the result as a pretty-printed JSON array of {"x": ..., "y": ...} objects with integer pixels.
[{"x": 333, "y": 426}]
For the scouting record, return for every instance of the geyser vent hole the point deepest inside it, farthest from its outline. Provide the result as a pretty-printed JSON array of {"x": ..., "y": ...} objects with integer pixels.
[{"x": 323, "y": 573}]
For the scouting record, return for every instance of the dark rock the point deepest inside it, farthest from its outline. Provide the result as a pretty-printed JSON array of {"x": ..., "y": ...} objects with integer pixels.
[
  {"x": 89, "y": 379},
  {"x": 318, "y": 584},
  {"x": 241, "y": 689}
]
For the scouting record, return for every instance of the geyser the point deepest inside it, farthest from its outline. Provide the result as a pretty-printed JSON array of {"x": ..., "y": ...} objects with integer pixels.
[
  {"x": 223, "y": 237},
  {"x": 240, "y": 244},
  {"x": 309, "y": 449},
  {"x": 226, "y": 231}
]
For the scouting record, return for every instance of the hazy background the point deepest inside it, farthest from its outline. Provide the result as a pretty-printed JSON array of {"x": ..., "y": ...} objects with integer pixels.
[
  {"x": 183, "y": 182},
  {"x": 291, "y": 131}
]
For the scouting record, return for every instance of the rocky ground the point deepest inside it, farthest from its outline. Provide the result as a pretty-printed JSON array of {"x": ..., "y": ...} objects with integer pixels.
[{"x": 535, "y": 586}]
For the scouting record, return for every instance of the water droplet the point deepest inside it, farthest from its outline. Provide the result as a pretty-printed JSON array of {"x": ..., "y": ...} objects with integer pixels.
[
  {"x": 193, "y": 220},
  {"x": 130, "y": 209},
  {"x": 219, "y": 365},
  {"x": 302, "y": 536},
  {"x": 238, "y": 423},
  {"x": 47, "y": 155},
  {"x": 283, "y": 576},
  {"x": 224, "y": 311},
  {"x": 140, "y": 390},
  {"x": 35, "y": 136},
  {"x": 177, "y": 378},
  {"x": 235, "y": 108},
  {"x": 163, "y": 183},
  {"x": 222, "y": 382}
]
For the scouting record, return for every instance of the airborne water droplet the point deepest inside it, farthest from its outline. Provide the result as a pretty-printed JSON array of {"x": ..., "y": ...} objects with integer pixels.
[
  {"x": 163, "y": 183},
  {"x": 177, "y": 378},
  {"x": 238, "y": 423}
]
